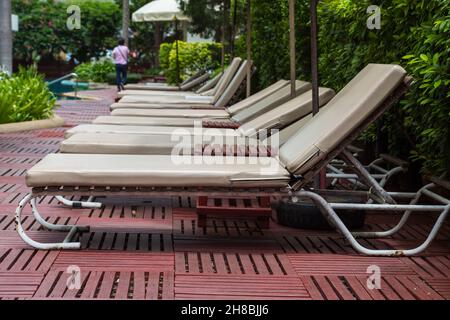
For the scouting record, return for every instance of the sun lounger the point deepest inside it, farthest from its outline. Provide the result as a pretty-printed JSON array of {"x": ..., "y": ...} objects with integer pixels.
[
  {"x": 277, "y": 118},
  {"x": 224, "y": 81},
  {"x": 223, "y": 93},
  {"x": 241, "y": 112},
  {"x": 188, "y": 84},
  {"x": 323, "y": 138},
  {"x": 243, "y": 104},
  {"x": 212, "y": 140}
]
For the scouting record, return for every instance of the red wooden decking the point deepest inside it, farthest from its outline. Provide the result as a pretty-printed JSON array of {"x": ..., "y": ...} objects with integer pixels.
[{"x": 153, "y": 249}]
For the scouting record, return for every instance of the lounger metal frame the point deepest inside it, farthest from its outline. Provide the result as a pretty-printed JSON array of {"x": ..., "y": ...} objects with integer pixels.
[{"x": 297, "y": 189}]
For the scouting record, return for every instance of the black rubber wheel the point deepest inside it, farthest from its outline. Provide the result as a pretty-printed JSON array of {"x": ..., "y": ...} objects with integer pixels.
[{"x": 303, "y": 215}]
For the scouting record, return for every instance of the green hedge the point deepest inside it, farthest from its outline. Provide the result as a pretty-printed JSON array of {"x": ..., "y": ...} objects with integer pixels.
[
  {"x": 414, "y": 34},
  {"x": 192, "y": 56},
  {"x": 96, "y": 71},
  {"x": 24, "y": 97},
  {"x": 43, "y": 30}
]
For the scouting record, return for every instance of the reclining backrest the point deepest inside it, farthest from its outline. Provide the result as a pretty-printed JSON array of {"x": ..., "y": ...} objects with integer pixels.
[
  {"x": 197, "y": 81},
  {"x": 285, "y": 114},
  {"x": 227, "y": 76},
  {"x": 254, "y": 98},
  {"x": 270, "y": 102},
  {"x": 194, "y": 77},
  {"x": 233, "y": 86},
  {"x": 343, "y": 114},
  {"x": 210, "y": 85}
]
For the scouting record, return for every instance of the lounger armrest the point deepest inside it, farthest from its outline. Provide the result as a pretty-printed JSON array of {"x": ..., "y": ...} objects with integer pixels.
[{"x": 221, "y": 124}]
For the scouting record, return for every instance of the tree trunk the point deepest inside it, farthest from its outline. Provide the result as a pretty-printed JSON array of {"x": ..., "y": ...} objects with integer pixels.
[
  {"x": 6, "y": 59},
  {"x": 125, "y": 20}
]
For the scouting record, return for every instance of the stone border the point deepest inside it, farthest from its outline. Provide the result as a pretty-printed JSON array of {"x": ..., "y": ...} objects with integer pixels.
[{"x": 54, "y": 122}]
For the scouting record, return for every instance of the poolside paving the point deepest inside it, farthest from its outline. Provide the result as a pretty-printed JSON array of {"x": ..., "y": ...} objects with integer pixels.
[{"x": 152, "y": 249}]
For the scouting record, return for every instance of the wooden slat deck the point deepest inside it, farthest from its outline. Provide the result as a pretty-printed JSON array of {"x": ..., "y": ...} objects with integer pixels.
[{"x": 153, "y": 248}]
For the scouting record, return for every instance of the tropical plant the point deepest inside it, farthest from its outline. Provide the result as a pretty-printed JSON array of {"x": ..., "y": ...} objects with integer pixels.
[
  {"x": 417, "y": 30},
  {"x": 25, "y": 96},
  {"x": 43, "y": 30},
  {"x": 95, "y": 71},
  {"x": 192, "y": 58}
]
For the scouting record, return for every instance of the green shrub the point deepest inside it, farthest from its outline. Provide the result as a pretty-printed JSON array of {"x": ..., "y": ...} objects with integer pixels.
[
  {"x": 43, "y": 30},
  {"x": 96, "y": 71},
  {"x": 24, "y": 97},
  {"x": 153, "y": 71},
  {"x": 418, "y": 30},
  {"x": 192, "y": 58},
  {"x": 131, "y": 78},
  {"x": 427, "y": 106},
  {"x": 419, "y": 126}
]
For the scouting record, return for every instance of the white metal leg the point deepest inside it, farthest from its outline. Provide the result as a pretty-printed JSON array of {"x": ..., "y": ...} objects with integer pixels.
[
  {"x": 71, "y": 229},
  {"x": 80, "y": 204}
]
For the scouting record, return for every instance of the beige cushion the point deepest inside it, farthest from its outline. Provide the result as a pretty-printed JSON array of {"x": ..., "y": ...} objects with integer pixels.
[
  {"x": 285, "y": 114},
  {"x": 164, "y": 90},
  {"x": 151, "y": 93},
  {"x": 258, "y": 98},
  {"x": 177, "y": 106},
  {"x": 166, "y": 99},
  {"x": 254, "y": 98},
  {"x": 210, "y": 85},
  {"x": 148, "y": 121},
  {"x": 226, "y": 78},
  {"x": 150, "y": 86},
  {"x": 272, "y": 101},
  {"x": 156, "y": 171},
  {"x": 146, "y": 130},
  {"x": 110, "y": 143},
  {"x": 223, "y": 100},
  {"x": 284, "y": 134},
  {"x": 346, "y": 111},
  {"x": 170, "y": 113},
  {"x": 195, "y": 82}
]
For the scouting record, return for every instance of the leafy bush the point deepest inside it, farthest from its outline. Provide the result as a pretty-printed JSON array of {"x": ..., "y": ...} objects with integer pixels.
[
  {"x": 96, "y": 71},
  {"x": 25, "y": 96},
  {"x": 419, "y": 126},
  {"x": 417, "y": 30},
  {"x": 192, "y": 57},
  {"x": 427, "y": 106},
  {"x": 152, "y": 71},
  {"x": 43, "y": 30},
  {"x": 131, "y": 78}
]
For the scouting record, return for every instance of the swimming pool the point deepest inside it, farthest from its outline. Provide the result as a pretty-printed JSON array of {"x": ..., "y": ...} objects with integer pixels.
[{"x": 64, "y": 86}]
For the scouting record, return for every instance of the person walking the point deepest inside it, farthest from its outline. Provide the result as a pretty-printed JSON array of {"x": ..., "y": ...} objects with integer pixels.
[{"x": 120, "y": 55}]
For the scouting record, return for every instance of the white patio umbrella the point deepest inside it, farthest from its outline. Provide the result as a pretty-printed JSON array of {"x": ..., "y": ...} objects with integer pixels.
[{"x": 162, "y": 10}]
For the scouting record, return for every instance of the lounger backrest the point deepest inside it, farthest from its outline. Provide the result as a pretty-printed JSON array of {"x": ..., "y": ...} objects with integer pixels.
[
  {"x": 210, "y": 85},
  {"x": 197, "y": 81},
  {"x": 285, "y": 114},
  {"x": 233, "y": 86},
  {"x": 225, "y": 80},
  {"x": 272, "y": 101},
  {"x": 194, "y": 77},
  {"x": 254, "y": 98},
  {"x": 343, "y": 114}
]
